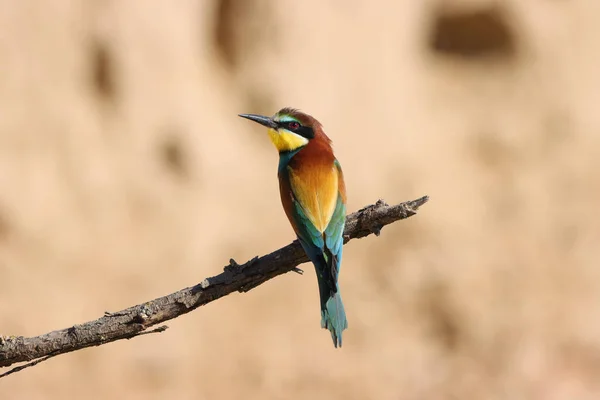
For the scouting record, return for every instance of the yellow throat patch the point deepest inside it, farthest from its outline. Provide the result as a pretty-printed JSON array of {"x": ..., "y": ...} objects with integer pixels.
[{"x": 285, "y": 140}]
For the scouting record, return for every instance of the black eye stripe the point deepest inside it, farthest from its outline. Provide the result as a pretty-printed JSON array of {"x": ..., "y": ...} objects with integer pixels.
[
  {"x": 286, "y": 124},
  {"x": 304, "y": 131}
]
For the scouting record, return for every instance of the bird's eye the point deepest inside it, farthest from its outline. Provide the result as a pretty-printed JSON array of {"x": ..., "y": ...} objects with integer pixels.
[{"x": 293, "y": 125}]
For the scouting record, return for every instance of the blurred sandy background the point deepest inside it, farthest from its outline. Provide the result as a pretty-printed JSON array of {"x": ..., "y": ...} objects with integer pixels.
[{"x": 125, "y": 175}]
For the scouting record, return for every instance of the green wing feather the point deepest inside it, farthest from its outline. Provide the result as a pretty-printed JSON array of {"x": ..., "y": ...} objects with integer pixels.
[{"x": 325, "y": 252}]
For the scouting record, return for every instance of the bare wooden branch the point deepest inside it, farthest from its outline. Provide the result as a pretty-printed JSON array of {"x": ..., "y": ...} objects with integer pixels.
[{"x": 136, "y": 320}]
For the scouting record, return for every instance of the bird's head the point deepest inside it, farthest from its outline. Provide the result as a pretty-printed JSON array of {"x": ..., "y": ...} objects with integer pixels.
[{"x": 289, "y": 129}]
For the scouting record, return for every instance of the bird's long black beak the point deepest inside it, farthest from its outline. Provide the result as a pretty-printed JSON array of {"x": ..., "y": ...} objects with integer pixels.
[{"x": 266, "y": 121}]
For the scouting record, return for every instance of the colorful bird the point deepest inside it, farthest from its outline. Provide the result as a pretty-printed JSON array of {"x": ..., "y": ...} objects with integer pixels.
[{"x": 313, "y": 195}]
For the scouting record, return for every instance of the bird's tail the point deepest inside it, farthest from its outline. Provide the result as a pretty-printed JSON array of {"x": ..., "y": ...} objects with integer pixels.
[{"x": 333, "y": 316}]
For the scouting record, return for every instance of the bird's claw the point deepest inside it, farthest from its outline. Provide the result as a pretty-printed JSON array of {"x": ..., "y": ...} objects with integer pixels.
[{"x": 298, "y": 271}]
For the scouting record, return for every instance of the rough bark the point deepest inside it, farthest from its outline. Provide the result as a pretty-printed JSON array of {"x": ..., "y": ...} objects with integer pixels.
[{"x": 137, "y": 320}]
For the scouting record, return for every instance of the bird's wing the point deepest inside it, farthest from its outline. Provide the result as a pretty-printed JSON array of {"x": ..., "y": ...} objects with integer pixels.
[
  {"x": 334, "y": 233},
  {"x": 334, "y": 238},
  {"x": 317, "y": 211},
  {"x": 315, "y": 189}
]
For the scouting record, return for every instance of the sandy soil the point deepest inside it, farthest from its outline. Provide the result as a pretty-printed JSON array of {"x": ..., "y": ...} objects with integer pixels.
[{"x": 125, "y": 174}]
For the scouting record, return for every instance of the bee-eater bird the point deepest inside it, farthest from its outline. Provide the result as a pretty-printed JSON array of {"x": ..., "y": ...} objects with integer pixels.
[{"x": 313, "y": 195}]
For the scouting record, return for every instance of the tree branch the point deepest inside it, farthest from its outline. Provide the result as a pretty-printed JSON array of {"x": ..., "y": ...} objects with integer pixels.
[{"x": 136, "y": 320}]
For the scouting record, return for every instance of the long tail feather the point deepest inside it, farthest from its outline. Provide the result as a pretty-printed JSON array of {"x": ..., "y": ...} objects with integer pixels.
[{"x": 333, "y": 317}]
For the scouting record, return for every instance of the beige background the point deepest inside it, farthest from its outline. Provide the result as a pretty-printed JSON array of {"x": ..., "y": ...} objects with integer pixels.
[{"x": 125, "y": 174}]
